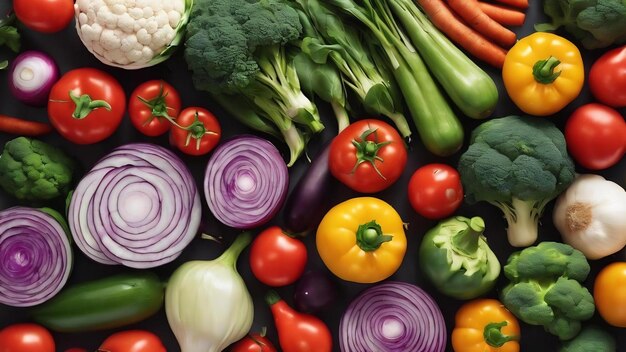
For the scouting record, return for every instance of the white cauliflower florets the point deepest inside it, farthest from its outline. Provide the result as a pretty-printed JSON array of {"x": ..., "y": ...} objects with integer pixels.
[{"x": 130, "y": 33}]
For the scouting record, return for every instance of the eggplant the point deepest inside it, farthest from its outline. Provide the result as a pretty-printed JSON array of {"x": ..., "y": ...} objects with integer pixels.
[
  {"x": 314, "y": 292},
  {"x": 305, "y": 205}
]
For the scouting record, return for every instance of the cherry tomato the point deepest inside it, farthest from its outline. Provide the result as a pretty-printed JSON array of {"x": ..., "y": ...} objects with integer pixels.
[
  {"x": 26, "y": 338},
  {"x": 151, "y": 107},
  {"x": 607, "y": 78},
  {"x": 86, "y": 105},
  {"x": 435, "y": 191},
  {"x": 596, "y": 136},
  {"x": 253, "y": 342},
  {"x": 368, "y": 156},
  {"x": 200, "y": 132},
  {"x": 609, "y": 294},
  {"x": 276, "y": 259},
  {"x": 133, "y": 341},
  {"x": 46, "y": 16}
]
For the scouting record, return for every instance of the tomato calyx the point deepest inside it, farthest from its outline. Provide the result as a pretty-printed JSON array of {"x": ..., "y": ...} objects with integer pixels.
[
  {"x": 369, "y": 236},
  {"x": 196, "y": 130},
  {"x": 85, "y": 105},
  {"x": 493, "y": 334},
  {"x": 543, "y": 70},
  {"x": 158, "y": 106},
  {"x": 367, "y": 151}
]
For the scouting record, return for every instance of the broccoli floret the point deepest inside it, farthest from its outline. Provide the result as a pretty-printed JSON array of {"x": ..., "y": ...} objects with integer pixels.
[
  {"x": 591, "y": 339},
  {"x": 545, "y": 288},
  {"x": 518, "y": 164},
  {"x": 596, "y": 23},
  {"x": 238, "y": 50},
  {"x": 33, "y": 170}
]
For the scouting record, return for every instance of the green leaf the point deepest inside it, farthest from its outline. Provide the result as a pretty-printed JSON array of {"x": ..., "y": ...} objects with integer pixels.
[
  {"x": 4, "y": 64},
  {"x": 378, "y": 100},
  {"x": 10, "y": 37}
]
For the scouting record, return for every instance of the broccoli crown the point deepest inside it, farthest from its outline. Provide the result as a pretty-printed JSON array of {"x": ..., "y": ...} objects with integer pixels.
[
  {"x": 545, "y": 288},
  {"x": 33, "y": 170},
  {"x": 224, "y": 37},
  {"x": 515, "y": 157},
  {"x": 596, "y": 23},
  {"x": 591, "y": 339}
]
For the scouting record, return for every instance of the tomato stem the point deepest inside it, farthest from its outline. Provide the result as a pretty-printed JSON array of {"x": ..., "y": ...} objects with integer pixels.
[
  {"x": 196, "y": 130},
  {"x": 493, "y": 334},
  {"x": 84, "y": 105},
  {"x": 158, "y": 107},
  {"x": 367, "y": 150},
  {"x": 543, "y": 70},
  {"x": 369, "y": 236}
]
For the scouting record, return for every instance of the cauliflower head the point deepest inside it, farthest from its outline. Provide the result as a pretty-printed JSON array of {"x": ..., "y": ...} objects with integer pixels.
[{"x": 132, "y": 34}]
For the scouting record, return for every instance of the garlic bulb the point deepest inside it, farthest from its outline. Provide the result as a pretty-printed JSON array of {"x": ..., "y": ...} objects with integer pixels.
[
  {"x": 207, "y": 303},
  {"x": 591, "y": 216}
]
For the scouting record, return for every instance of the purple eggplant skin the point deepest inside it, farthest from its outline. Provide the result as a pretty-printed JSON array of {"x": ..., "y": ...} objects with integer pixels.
[
  {"x": 314, "y": 292},
  {"x": 306, "y": 204}
]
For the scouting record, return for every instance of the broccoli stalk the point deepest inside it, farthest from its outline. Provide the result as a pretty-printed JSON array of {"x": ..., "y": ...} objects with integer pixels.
[{"x": 522, "y": 217}]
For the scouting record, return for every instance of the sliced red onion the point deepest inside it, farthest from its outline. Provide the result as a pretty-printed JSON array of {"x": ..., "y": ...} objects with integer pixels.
[
  {"x": 246, "y": 182},
  {"x": 36, "y": 256},
  {"x": 31, "y": 77},
  {"x": 138, "y": 206},
  {"x": 392, "y": 317}
]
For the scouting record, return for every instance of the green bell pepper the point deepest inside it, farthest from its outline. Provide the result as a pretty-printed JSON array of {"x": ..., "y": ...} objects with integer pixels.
[{"x": 456, "y": 258}]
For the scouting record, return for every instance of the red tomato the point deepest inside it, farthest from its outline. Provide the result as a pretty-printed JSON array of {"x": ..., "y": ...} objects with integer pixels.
[
  {"x": 596, "y": 136},
  {"x": 26, "y": 338},
  {"x": 133, "y": 341},
  {"x": 151, "y": 107},
  {"x": 46, "y": 16},
  {"x": 368, "y": 156},
  {"x": 435, "y": 191},
  {"x": 253, "y": 342},
  {"x": 200, "y": 132},
  {"x": 277, "y": 259},
  {"x": 86, "y": 105},
  {"x": 607, "y": 78}
]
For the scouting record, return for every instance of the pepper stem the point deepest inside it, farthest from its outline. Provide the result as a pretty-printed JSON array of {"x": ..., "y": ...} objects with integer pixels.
[
  {"x": 369, "y": 236},
  {"x": 232, "y": 253},
  {"x": 493, "y": 334},
  {"x": 367, "y": 151},
  {"x": 272, "y": 297},
  {"x": 84, "y": 105},
  {"x": 543, "y": 70},
  {"x": 466, "y": 240}
]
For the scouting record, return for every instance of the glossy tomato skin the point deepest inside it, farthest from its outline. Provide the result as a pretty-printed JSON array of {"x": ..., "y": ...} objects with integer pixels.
[
  {"x": 596, "y": 136},
  {"x": 253, "y": 342},
  {"x": 609, "y": 294},
  {"x": 133, "y": 341},
  {"x": 100, "y": 123},
  {"x": 607, "y": 78},
  {"x": 435, "y": 191},
  {"x": 276, "y": 259},
  {"x": 209, "y": 136},
  {"x": 26, "y": 337},
  {"x": 364, "y": 178},
  {"x": 46, "y": 16},
  {"x": 162, "y": 98}
]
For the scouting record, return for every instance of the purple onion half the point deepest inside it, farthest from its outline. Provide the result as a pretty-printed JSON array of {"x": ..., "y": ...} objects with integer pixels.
[
  {"x": 36, "y": 256},
  {"x": 245, "y": 182},
  {"x": 31, "y": 77},
  {"x": 138, "y": 206}
]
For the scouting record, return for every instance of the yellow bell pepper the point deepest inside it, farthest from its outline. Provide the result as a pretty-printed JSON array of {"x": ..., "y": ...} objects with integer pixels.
[
  {"x": 485, "y": 325},
  {"x": 542, "y": 73},
  {"x": 362, "y": 240}
]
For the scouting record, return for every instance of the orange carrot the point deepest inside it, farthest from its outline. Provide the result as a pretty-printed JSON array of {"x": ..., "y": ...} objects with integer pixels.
[
  {"x": 520, "y": 4},
  {"x": 470, "y": 40},
  {"x": 477, "y": 19},
  {"x": 504, "y": 15}
]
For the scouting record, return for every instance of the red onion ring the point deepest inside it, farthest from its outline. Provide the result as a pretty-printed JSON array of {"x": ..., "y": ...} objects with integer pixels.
[
  {"x": 36, "y": 256},
  {"x": 245, "y": 182},
  {"x": 393, "y": 317}
]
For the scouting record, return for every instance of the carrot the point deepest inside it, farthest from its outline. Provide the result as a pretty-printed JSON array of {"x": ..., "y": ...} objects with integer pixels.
[
  {"x": 466, "y": 37},
  {"x": 477, "y": 19},
  {"x": 14, "y": 125},
  {"x": 520, "y": 4},
  {"x": 504, "y": 15}
]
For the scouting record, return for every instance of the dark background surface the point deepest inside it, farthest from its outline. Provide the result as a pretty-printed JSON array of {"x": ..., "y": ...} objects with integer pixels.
[{"x": 69, "y": 53}]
